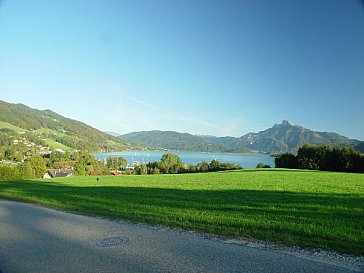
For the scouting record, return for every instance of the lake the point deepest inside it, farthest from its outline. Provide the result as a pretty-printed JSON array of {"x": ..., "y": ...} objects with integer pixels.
[{"x": 246, "y": 161}]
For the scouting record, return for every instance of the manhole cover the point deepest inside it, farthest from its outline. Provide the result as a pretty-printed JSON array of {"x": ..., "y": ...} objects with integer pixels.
[{"x": 112, "y": 241}]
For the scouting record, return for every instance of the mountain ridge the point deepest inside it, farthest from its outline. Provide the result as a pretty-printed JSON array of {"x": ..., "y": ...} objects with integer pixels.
[
  {"x": 284, "y": 137},
  {"x": 171, "y": 140},
  {"x": 49, "y": 126}
]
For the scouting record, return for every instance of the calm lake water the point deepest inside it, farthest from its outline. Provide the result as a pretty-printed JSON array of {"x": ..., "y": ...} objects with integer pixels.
[{"x": 244, "y": 160}]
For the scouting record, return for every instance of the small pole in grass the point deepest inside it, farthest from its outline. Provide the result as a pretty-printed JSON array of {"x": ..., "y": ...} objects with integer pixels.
[{"x": 97, "y": 179}]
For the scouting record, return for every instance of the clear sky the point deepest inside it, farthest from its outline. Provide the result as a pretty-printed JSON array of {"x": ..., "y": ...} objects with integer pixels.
[{"x": 199, "y": 66}]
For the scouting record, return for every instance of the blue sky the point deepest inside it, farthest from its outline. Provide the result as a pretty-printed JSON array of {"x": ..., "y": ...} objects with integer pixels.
[{"x": 203, "y": 67}]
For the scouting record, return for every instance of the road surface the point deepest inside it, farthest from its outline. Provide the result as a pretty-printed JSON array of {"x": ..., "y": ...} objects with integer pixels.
[{"x": 36, "y": 239}]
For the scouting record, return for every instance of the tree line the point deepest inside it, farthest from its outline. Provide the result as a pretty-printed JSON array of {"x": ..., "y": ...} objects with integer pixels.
[
  {"x": 172, "y": 164},
  {"x": 323, "y": 158},
  {"x": 84, "y": 163}
]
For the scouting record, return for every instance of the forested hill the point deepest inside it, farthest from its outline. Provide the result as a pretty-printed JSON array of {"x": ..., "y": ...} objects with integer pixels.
[
  {"x": 172, "y": 141},
  {"x": 284, "y": 137},
  {"x": 360, "y": 147},
  {"x": 52, "y": 129},
  {"x": 176, "y": 141}
]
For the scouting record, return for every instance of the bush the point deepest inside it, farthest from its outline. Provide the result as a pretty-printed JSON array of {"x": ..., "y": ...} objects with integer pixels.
[
  {"x": 229, "y": 166},
  {"x": 287, "y": 160},
  {"x": 8, "y": 173},
  {"x": 214, "y": 165},
  {"x": 203, "y": 166}
]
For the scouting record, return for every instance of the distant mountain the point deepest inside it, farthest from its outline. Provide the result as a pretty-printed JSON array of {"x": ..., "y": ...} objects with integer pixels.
[
  {"x": 359, "y": 147},
  {"x": 112, "y": 134},
  {"x": 284, "y": 137},
  {"x": 55, "y": 130},
  {"x": 52, "y": 130},
  {"x": 171, "y": 140}
]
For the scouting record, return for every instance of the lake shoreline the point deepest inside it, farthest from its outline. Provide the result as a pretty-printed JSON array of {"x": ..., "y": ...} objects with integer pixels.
[{"x": 245, "y": 160}]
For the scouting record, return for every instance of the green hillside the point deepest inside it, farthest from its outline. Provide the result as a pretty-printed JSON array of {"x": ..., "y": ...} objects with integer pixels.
[
  {"x": 6, "y": 125},
  {"x": 57, "y": 131}
]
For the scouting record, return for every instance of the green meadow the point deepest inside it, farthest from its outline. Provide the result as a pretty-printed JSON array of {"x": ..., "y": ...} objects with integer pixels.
[
  {"x": 294, "y": 207},
  {"x": 10, "y": 126}
]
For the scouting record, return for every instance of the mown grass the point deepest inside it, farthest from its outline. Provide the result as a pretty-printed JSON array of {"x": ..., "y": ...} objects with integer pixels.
[{"x": 306, "y": 208}]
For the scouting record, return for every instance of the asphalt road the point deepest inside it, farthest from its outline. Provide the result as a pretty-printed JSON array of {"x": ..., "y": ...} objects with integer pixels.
[{"x": 36, "y": 239}]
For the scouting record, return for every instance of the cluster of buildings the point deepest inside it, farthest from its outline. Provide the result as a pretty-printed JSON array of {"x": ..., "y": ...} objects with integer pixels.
[{"x": 32, "y": 146}]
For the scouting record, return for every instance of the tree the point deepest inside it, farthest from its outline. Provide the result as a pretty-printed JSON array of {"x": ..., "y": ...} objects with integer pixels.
[
  {"x": 191, "y": 168},
  {"x": 38, "y": 165},
  {"x": 80, "y": 168},
  {"x": 116, "y": 163},
  {"x": 286, "y": 161},
  {"x": 111, "y": 163},
  {"x": 343, "y": 159},
  {"x": 203, "y": 166},
  {"x": 229, "y": 166},
  {"x": 8, "y": 173},
  {"x": 121, "y": 163},
  {"x": 26, "y": 170},
  {"x": 142, "y": 169},
  {"x": 86, "y": 163},
  {"x": 313, "y": 157},
  {"x": 324, "y": 158},
  {"x": 214, "y": 165},
  {"x": 156, "y": 171},
  {"x": 358, "y": 163},
  {"x": 170, "y": 163},
  {"x": 8, "y": 153}
]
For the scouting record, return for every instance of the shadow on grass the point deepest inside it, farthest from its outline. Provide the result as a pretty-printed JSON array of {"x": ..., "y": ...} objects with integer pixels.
[{"x": 309, "y": 219}]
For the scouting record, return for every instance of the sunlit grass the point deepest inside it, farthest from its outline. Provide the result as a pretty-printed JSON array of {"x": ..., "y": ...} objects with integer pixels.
[
  {"x": 307, "y": 208},
  {"x": 56, "y": 145},
  {"x": 11, "y": 126}
]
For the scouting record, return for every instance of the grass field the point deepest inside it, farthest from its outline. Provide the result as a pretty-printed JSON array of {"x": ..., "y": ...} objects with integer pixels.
[
  {"x": 56, "y": 145},
  {"x": 306, "y": 208},
  {"x": 10, "y": 126}
]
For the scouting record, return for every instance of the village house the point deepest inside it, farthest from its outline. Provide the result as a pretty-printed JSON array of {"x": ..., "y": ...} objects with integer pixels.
[{"x": 53, "y": 173}]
